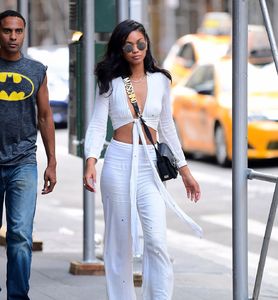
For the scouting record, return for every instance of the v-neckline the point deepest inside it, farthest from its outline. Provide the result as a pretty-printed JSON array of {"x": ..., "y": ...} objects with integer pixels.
[{"x": 146, "y": 100}]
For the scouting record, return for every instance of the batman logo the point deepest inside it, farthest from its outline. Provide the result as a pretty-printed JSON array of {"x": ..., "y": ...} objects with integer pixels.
[{"x": 15, "y": 87}]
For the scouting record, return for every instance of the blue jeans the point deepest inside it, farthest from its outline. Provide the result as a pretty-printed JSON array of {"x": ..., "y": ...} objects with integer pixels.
[{"x": 18, "y": 185}]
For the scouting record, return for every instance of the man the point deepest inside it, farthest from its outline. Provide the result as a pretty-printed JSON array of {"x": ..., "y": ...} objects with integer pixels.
[{"x": 24, "y": 107}]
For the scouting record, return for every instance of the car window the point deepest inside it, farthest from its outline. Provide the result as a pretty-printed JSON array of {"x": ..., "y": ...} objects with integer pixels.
[
  {"x": 187, "y": 53},
  {"x": 202, "y": 80}
]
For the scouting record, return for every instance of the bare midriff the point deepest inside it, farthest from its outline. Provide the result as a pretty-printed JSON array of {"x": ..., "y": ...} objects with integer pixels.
[{"x": 124, "y": 134}]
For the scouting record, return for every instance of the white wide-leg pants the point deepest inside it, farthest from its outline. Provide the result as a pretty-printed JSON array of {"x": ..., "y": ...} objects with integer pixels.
[{"x": 118, "y": 243}]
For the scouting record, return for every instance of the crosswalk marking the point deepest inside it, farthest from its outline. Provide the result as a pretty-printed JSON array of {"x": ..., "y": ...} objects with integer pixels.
[
  {"x": 220, "y": 254},
  {"x": 254, "y": 227},
  {"x": 225, "y": 181}
]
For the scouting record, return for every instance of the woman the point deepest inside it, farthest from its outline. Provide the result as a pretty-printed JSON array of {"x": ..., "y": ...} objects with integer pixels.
[{"x": 129, "y": 180}]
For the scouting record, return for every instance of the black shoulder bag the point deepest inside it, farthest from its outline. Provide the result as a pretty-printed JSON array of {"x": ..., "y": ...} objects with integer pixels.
[{"x": 166, "y": 161}]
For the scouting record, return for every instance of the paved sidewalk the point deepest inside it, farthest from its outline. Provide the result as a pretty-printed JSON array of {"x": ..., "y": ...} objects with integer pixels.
[
  {"x": 195, "y": 279},
  {"x": 202, "y": 267},
  {"x": 50, "y": 279}
]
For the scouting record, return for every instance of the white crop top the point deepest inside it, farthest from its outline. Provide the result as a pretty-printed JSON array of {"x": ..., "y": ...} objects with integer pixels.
[{"x": 157, "y": 114}]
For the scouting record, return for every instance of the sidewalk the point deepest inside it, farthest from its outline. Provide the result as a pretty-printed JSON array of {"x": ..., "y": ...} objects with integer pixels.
[
  {"x": 202, "y": 268},
  {"x": 195, "y": 279}
]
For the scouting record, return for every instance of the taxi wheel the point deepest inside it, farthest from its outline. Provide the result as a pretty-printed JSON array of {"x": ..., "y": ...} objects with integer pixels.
[{"x": 220, "y": 147}]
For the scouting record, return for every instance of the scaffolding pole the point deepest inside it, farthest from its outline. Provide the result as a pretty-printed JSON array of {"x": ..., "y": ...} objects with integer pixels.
[
  {"x": 123, "y": 10},
  {"x": 90, "y": 265},
  {"x": 22, "y": 7},
  {"x": 239, "y": 172},
  {"x": 270, "y": 32},
  {"x": 89, "y": 91}
]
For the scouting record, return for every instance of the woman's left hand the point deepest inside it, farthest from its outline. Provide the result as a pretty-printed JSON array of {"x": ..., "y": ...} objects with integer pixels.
[{"x": 191, "y": 185}]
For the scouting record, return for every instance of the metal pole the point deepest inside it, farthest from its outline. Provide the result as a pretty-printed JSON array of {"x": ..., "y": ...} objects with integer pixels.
[
  {"x": 22, "y": 7},
  {"x": 169, "y": 28},
  {"x": 136, "y": 10},
  {"x": 270, "y": 33},
  {"x": 123, "y": 10},
  {"x": 88, "y": 80},
  {"x": 264, "y": 249},
  {"x": 145, "y": 15},
  {"x": 239, "y": 172},
  {"x": 261, "y": 176}
]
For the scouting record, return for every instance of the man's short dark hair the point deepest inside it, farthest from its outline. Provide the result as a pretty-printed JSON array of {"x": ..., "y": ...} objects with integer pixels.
[{"x": 11, "y": 13}]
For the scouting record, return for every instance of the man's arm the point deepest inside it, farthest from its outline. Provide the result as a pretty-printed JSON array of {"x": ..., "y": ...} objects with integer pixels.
[{"x": 47, "y": 129}]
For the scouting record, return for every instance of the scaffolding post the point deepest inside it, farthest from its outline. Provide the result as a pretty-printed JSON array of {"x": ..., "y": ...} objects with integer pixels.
[
  {"x": 270, "y": 33},
  {"x": 239, "y": 172},
  {"x": 22, "y": 7},
  {"x": 89, "y": 91},
  {"x": 90, "y": 265},
  {"x": 123, "y": 10}
]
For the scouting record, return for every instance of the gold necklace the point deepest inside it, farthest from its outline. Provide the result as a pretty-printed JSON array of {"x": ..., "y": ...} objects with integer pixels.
[{"x": 138, "y": 80}]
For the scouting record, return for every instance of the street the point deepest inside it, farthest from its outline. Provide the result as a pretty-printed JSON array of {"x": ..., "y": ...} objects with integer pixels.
[{"x": 200, "y": 264}]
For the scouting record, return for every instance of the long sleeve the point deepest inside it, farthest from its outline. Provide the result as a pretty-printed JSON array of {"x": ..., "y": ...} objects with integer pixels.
[
  {"x": 96, "y": 131},
  {"x": 166, "y": 127}
]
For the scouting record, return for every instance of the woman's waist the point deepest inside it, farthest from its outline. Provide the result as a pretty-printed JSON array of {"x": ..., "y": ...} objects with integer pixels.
[
  {"x": 118, "y": 150},
  {"x": 125, "y": 134},
  {"x": 128, "y": 146}
]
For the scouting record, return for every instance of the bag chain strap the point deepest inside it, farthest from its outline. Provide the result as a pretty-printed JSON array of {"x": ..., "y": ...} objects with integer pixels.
[{"x": 131, "y": 94}]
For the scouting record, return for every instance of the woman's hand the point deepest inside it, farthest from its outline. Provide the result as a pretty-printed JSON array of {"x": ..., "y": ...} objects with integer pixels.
[
  {"x": 191, "y": 185},
  {"x": 90, "y": 175}
]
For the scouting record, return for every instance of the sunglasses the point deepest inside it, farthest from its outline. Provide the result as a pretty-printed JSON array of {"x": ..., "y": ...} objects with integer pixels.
[{"x": 128, "y": 48}]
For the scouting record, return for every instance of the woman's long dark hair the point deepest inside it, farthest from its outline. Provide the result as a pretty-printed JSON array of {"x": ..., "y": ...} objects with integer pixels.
[{"x": 114, "y": 64}]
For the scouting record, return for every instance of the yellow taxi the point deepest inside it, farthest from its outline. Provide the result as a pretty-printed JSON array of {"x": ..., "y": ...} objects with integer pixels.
[
  {"x": 193, "y": 49},
  {"x": 211, "y": 42},
  {"x": 202, "y": 110}
]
